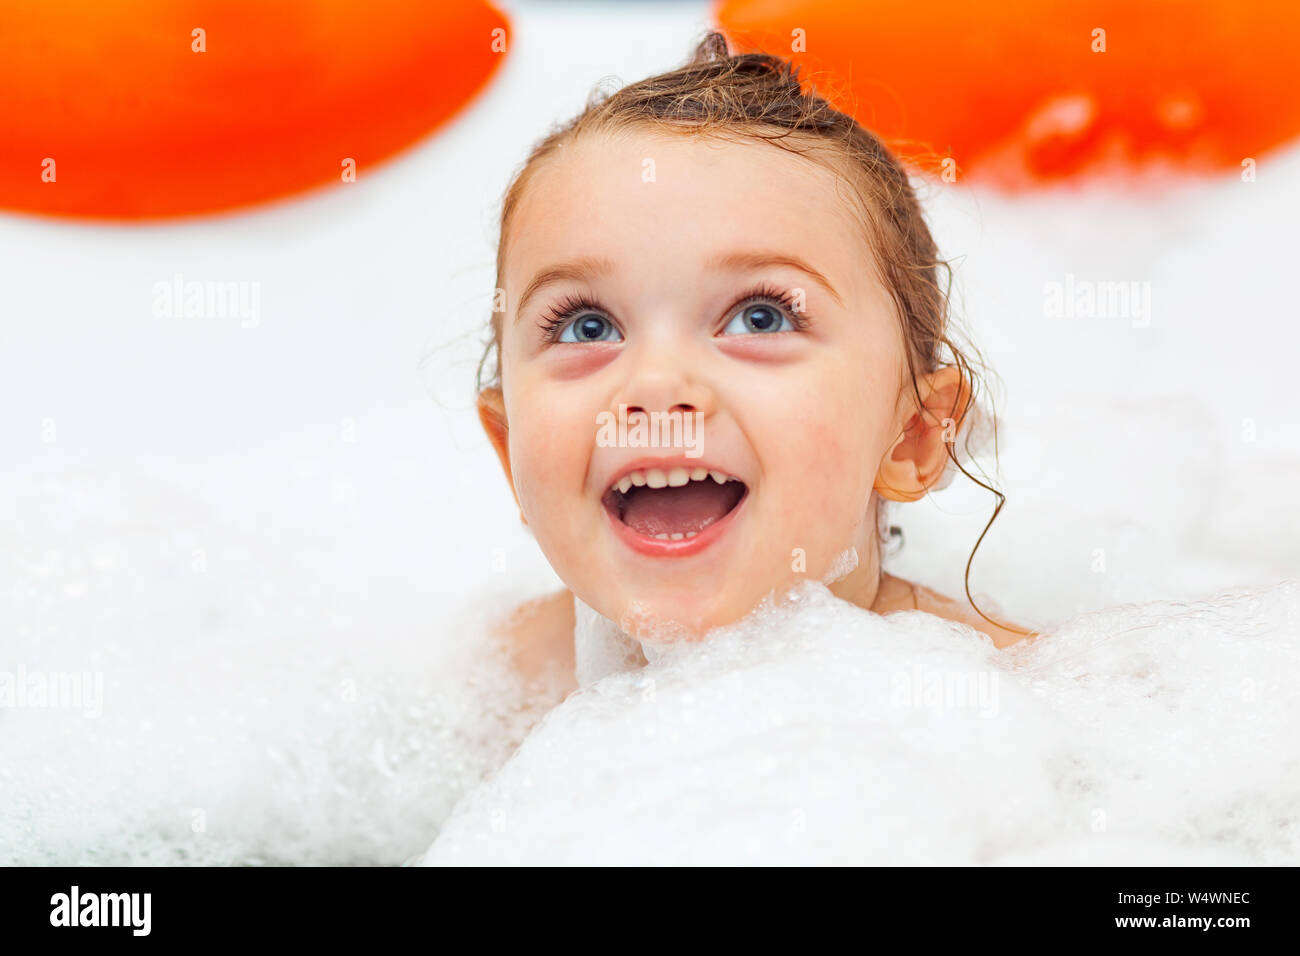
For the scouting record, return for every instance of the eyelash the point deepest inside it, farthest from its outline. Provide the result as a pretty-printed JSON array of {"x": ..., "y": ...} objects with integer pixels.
[{"x": 571, "y": 306}]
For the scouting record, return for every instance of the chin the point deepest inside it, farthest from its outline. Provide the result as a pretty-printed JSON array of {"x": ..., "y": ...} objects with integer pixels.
[{"x": 667, "y": 617}]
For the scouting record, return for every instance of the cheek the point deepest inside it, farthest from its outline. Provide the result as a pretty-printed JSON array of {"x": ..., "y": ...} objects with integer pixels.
[
  {"x": 833, "y": 423},
  {"x": 827, "y": 443},
  {"x": 550, "y": 441},
  {"x": 826, "y": 478}
]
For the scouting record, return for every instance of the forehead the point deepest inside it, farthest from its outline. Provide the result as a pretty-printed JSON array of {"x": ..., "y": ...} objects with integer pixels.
[{"x": 641, "y": 197}]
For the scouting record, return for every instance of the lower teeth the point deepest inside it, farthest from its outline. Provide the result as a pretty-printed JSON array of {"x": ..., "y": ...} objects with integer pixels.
[{"x": 676, "y": 536}]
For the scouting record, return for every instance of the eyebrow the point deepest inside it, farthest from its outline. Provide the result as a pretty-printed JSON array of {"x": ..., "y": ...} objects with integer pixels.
[
  {"x": 760, "y": 260},
  {"x": 589, "y": 266},
  {"x": 575, "y": 269}
]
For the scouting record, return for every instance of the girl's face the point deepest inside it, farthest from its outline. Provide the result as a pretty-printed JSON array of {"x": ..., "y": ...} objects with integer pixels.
[{"x": 647, "y": 272}]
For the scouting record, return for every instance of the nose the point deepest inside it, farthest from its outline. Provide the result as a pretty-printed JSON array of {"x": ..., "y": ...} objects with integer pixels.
[{"x": 665, "y": 377}]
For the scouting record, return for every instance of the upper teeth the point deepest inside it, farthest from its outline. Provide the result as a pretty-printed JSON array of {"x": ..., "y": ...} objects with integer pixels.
[{"x": 672, "y": 478}]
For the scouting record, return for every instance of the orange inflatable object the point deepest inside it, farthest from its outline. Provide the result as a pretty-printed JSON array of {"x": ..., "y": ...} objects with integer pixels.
[
  {"x": 1023, "y": 92},
  {"x": 145, "y": 108}
]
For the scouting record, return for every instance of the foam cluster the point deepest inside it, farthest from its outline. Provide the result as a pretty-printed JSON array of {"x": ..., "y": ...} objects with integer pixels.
[{"x": 816, "y": 732}]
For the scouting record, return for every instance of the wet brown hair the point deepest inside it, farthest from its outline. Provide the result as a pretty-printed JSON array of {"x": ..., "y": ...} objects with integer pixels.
[{"x": 757, "y": 97}]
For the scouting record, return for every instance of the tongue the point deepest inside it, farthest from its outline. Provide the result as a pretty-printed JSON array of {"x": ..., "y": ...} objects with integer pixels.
[{"x": 691, "y": 507}]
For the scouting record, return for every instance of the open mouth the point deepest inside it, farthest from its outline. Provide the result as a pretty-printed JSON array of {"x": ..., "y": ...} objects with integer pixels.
[{"x": 673, "y": 504}]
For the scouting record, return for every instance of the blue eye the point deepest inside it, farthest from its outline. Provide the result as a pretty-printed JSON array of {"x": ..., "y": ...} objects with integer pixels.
[
  {"x": 590, "y": 328},
  {"x": 758, "y": 317}
]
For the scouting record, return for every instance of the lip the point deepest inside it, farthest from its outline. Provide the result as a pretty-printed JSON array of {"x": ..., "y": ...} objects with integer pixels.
[{"x": 659, "y": 548}]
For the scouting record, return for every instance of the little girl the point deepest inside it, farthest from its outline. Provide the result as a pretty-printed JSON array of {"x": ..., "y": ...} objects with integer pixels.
[{"x": 717, "y": 250}]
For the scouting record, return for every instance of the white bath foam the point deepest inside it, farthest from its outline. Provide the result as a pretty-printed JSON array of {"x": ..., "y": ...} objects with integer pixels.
[
  {"x": 260, "y": 701},
  {"x": 1183, "y": 718},
  {"x": 822, "y": 733}
]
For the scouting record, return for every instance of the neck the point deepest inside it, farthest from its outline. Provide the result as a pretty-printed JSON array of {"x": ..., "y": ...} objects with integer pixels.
[
  {"x": 871, "y": 588},
  {"x": 601, "y": 647}
]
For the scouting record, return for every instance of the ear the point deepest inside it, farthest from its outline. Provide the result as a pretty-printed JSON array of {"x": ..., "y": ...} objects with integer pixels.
[
  {"x": 918, "y": 457},
  {"x": 492, "y": 414}
]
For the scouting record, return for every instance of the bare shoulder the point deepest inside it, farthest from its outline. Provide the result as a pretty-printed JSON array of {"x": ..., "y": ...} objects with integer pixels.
[
  {"x": 940, "y": 605},
  {"x": 539, "y": 638}
]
